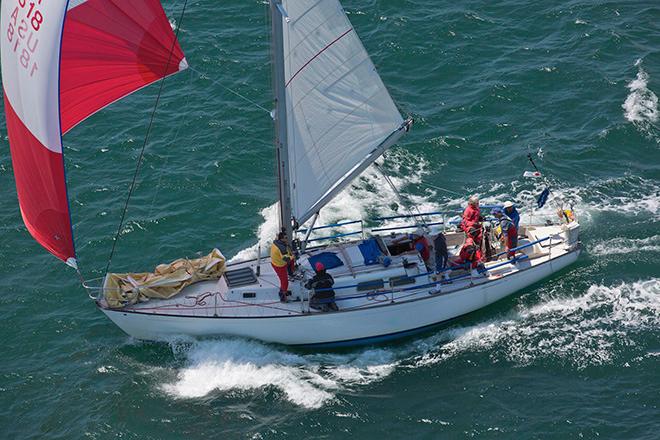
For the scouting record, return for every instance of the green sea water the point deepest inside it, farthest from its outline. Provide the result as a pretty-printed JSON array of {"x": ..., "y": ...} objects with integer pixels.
[{"x": 576, "y": 356}]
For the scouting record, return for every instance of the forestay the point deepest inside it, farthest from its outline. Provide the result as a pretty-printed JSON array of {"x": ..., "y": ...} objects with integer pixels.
[
  {"x": 338, "y": 109},
  {"x": 60, "y": 65}
]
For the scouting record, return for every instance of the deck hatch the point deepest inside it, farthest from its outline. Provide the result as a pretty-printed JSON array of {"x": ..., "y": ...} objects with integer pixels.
[
  {"x": 370, "y": 285},
  {"x": 240, "y": 277},
  {"x": 401, "y": 281}
]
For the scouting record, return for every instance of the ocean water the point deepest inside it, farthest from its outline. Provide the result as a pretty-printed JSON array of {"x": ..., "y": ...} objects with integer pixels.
[{"x": 576, "y": 356}]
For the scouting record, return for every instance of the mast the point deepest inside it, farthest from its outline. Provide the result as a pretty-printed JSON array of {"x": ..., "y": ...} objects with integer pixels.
[{"x": 278, "y": 15}]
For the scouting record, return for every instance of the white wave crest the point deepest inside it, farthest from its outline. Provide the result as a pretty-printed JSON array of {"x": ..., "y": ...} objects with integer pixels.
[
  {"x": 627, "y": 195},
  {"x": 582, "y": 331},
  {"x": 622, "y": 245},
  {"x": 641, "y": 104},
  {"x": 308, "y": 380},
  {"x": 633, "y": 305}
]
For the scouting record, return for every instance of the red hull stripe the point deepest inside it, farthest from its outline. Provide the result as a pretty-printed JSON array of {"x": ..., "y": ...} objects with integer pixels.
[
  {"x": 41, "y": 188},
  {"x": 111, "y": 48}
]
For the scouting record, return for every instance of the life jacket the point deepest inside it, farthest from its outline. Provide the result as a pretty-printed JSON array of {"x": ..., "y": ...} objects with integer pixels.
[
  {"x": 425, "y": 253},
  {"x": 507, "y": 227},
  {"x": 277, "y": 252},
  {"x": 566, "y": 215},
  {"x": 471, "y": 217},
  {"x": 470, "y": 252}
]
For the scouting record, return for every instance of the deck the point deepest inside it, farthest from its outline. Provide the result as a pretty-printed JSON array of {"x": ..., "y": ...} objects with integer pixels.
[{"x": 249, "y": 289}]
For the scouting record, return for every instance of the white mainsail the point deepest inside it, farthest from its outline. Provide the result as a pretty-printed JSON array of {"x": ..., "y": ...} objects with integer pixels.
[{"x": 338, "y": 111}]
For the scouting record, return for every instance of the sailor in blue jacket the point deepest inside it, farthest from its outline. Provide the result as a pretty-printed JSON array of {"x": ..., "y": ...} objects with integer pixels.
[{"x": 511, "y": 212}]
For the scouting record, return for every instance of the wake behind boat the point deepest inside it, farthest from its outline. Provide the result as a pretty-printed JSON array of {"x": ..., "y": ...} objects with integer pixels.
[{"x": 333, "y": 117}]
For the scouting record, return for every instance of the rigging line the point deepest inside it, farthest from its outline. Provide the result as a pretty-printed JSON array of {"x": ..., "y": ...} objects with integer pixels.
[
  {"x": 399, "y": 196},
  {"x": 217, "y": 83},
  {"x": 146, "y": 140},
  {"x": 167, "y": 158},
  {"x": 443, "y": 189}
]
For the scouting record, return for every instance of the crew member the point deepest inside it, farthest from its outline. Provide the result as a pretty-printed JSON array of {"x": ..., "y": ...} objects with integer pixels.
[
  {"x": 419, "y": 243},
  {"x": 322, "y": 282},
  {"x": 441, "y": 252},
  {"x": 472, "y": 217},
  {"x": 470, "y": 253},
  {"x": 509, "y": 232},
  {"x": 281, "y": 258},
  {"x": 511, "y": 212}
]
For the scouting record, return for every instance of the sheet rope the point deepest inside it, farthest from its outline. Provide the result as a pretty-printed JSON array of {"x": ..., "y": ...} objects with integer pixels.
[{"x": 146, "y": 140}]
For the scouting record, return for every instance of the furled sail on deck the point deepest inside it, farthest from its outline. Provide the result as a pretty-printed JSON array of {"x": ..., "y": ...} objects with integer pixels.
[
  {"x": 59, "y": 66},
  {"x": 338, "y": 109}
]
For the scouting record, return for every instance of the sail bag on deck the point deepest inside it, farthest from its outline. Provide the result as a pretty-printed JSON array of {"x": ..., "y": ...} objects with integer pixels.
[
  {"x": 62, "y": 61},
  {"x": 164, "y": 282}
]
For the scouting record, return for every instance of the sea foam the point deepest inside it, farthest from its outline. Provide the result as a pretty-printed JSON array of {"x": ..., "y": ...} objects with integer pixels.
[
  {"x": 578, "y": 331},
  {"x": 641, "y": 104},
  {"x": 239, "y": 366},
  {"x": 622, "y": 245}
]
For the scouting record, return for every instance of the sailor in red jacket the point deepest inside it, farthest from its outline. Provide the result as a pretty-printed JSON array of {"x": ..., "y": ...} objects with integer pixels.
[
  {"x": 419, "y": 243},
  {"x": 472, "y": 217},
  {"x": 470, "y": 253}
]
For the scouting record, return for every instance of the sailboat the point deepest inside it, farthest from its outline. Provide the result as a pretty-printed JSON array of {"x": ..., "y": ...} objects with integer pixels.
[{"x": 333, "y": 118}]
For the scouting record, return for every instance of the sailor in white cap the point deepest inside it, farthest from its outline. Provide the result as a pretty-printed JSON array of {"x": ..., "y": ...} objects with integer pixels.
[{"x": 512, "y": 213}]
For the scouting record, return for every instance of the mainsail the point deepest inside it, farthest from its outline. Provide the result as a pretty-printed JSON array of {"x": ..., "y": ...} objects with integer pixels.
[
  {"x": 339, "y": 114},
  {"x": 61, "y": 62}
]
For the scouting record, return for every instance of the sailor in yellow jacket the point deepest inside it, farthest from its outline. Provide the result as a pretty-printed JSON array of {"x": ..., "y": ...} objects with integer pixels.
[{"x": 281, "y": 258}]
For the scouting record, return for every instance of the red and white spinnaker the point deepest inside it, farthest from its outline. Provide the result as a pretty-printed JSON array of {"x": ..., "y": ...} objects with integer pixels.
[{"x": 61, "y": 62}]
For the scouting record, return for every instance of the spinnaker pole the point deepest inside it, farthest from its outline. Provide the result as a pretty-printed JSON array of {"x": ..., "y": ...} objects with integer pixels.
[{"x": 278, "y": 15}]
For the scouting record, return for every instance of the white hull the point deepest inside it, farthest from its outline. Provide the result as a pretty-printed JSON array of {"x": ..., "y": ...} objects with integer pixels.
[{"x": 347, "y": 327}]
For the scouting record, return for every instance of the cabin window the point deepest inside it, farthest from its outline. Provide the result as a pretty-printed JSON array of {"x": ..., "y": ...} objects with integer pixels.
[
  {"x": 401, "y": 281},
  {"x": 370, "y": 285}
]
